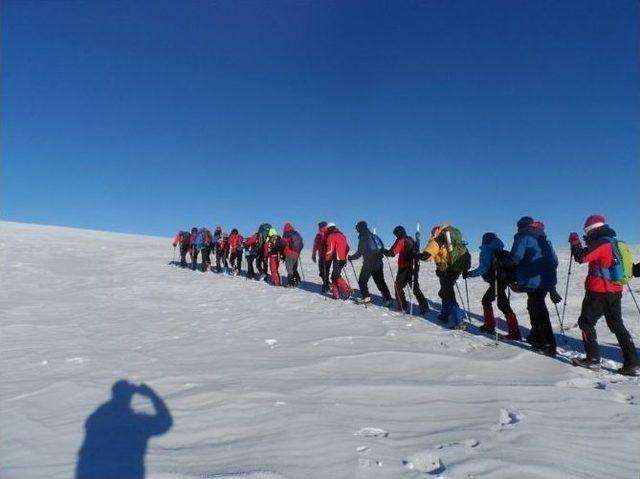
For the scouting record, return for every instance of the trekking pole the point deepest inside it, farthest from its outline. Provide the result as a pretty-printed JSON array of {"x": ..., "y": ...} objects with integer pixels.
[
  {"x": 466, "y": 289},
  {"x": 346, "y": 276},
  {"x": 495, "y": 286},
  {"x": 561, "y": 321},
  {"x": 466, "y": 312},
  {"x": 634, "y": 297},
  {"x": 395, "y": 285},
  {"x": 566, "y": 289}
]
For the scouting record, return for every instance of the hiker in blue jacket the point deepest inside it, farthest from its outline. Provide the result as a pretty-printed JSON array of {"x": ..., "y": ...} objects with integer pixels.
[
  {"x": 491, "y": 249},
  {"x": 536, "y": 275}
]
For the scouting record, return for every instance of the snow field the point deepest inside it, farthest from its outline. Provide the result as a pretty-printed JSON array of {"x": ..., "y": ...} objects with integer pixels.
[{"x": 273, "y": 383}]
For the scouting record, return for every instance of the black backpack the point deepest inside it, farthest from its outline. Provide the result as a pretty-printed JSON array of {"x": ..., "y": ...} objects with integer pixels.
[{"x": 504, "y": 266}]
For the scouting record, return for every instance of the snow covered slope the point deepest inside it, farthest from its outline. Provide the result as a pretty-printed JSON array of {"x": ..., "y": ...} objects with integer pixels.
[{"x": 267, "y": 382}]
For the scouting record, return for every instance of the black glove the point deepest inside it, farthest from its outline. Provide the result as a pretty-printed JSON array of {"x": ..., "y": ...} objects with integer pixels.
[
  {"x": 466, "y": 274},
  {"x": 387, "y": 252},
  {"x": 555, "y": 297}
]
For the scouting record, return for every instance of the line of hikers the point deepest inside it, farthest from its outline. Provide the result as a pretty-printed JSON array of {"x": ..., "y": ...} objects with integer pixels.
[{"x": 529, "y": 267}]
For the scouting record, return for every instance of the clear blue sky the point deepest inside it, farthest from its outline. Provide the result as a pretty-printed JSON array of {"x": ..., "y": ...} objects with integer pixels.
[{"x": 150, "y": 116}]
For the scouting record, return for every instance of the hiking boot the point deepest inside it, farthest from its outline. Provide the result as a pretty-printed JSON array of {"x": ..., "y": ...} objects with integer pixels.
[
  {"x": 589, "y": 363},
  {"x": 632, "y": 370},
  {"x": 486, "y": 329},
  {"x": 512, "y": 337},
  {"x": 424, "y": 308},
  {"x": 548, "y": 350}
]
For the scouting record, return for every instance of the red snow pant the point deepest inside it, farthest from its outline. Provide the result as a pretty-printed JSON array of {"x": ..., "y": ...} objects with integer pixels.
[
  {"x": 338, "y": 283},
  {"x": 274, "y": 264}
]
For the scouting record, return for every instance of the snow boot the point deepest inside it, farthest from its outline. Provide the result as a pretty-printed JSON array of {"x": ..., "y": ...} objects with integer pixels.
[
  {"x": 630, "y": 370},
  {"x": 489, "y": 325},
  {"x": 513, "y": 331},
  {"x": 445, "y": 310},
  {"x": 589, "y": 363}
]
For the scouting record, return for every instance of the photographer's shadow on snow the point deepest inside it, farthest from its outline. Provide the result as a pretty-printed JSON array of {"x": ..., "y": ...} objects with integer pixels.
[{"x": 116, "y": 436}]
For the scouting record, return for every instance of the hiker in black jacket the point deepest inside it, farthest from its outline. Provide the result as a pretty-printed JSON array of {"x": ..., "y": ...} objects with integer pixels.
[{"x": 370, "y": 248}]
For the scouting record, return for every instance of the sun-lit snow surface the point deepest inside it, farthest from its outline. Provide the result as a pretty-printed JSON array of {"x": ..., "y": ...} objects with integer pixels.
[{"x": 280, "y": 383}]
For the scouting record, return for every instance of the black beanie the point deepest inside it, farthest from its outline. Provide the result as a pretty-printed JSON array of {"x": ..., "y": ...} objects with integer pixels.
[{"x": 524, "y": 222}]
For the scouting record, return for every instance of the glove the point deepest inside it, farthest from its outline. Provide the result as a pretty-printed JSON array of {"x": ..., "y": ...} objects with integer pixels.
[
  {"x": 574, "y": 239},
  {"x": 555, "y": 297},
  {"x": 466, "y": 274},
  {"x": 174, "y": 245},
  {"x": 313, "y": 258},
  {"x": 350, "y": 258}
]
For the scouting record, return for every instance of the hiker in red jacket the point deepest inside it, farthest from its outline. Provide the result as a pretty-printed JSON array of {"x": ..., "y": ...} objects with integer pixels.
[
  {"x": 234, "y": 242},
  {"x": 319, "y": 249},
  {"x": 193, "y": 251},
  {"x": 602, "y": 296},
  {"x": 292, "y": 247},
  {"x": 336, "y": 253},
  {"x": 405, "y": 249},
  {"x": 250, "y": 249},
  {"x": 182, "y": 239}
]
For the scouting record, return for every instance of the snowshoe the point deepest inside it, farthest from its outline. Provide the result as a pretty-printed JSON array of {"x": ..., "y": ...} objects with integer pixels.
[
  {"x": 633, "y": 371},
  {"x": 593, "y": 364},
  {"x": 487, "y": 330}
]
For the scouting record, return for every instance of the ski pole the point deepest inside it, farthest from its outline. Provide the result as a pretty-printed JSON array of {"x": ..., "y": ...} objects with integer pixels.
[
  {"x": 566, "y": 289},
  {"x": 634, "y": 297},
  {"x": 174, "y": 255},
  {"x": 346, "y": 276}
]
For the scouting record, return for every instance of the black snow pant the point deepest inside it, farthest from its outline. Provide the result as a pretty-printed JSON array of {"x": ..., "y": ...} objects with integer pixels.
[
  {"x": 250, "y": 271},
  {"x": 206, "y": 258},
  {"x": 323, "y": 272},
  {"x": 378, "y": 278},
  {"x": 596, "y": 305},
  {"x": 403, "y": 278},
  {"x": 184, "y": 249},
  {"x": 541, "y": 335},
  {"x": 221, "y": 256},
  {"x": 261, "y": 265},
  {"x": 291, "y": 263},
  {"x": 337, "y": 269},
  {"x": 503, "y": 301},
  {"x": 235, "y": 259},
  {"x": 194, "y": 259},
  {"x": 447, "y": 283}
]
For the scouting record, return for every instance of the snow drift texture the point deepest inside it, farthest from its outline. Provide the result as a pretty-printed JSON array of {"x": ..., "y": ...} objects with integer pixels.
[{"x": 281, "y": 383}]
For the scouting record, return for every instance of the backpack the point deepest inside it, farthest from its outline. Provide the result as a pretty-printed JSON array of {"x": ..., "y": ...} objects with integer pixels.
[
  {"x": 621, "y": 271},
  {"x": 296, "y": 242},
  {"x": 374, "y": 243},
  {"x": 199, "y": 242},
  {"x": 504, "y": 267},
  {"x": 410, "y": 249},
  {"x": 263, "y": 231},
  {"x": 459, "y": 256}
]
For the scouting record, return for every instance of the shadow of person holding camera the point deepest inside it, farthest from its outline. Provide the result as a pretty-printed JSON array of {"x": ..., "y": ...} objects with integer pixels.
[{"x": 116, "y": 436}]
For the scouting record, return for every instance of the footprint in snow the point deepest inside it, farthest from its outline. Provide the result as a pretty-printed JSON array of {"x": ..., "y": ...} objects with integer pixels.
[
  {"x": 507, "y": 419},
  {"x": 471, "y": 442},
  {"x": 424, "y": 462},
  {"x": 371, "y": 432}
]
